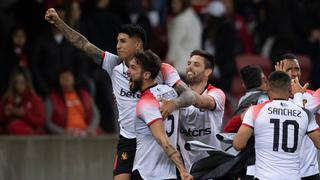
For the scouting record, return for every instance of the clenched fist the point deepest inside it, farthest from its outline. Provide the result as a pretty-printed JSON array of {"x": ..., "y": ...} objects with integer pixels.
[{"x": 51, "y": 16}]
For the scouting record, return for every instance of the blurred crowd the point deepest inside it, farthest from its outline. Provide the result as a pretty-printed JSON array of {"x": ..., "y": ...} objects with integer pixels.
[{"x": 48, "y": 86}]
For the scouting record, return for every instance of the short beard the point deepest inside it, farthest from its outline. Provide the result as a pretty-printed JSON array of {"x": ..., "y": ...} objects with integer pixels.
[
  {"x": 137, "y": 85},
  {"x": 193, "y": 80}
]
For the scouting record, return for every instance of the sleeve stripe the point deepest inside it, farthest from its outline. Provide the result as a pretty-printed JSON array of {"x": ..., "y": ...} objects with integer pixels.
[
  {"x": 153, "y": 121},
  {"x": 247, "y": 125},
  {"x": 317, "y": 129},
  {"x": 103, "y": 56}
]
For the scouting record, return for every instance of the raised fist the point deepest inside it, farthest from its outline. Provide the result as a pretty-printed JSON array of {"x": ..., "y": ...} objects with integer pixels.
[{"x": 51, "y": 16}]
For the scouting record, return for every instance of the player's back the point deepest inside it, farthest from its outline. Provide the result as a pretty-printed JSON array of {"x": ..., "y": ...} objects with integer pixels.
[
  {"x": 150, "y": 160},
  {"x": 279, "y": 127}
]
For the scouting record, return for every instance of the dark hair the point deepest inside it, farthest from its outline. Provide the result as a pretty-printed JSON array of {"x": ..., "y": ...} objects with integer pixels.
[
  {"x": 251, "y": 76},
  {"x": 279, "y": 80},
  {"x": 287, "y": 56},
  {"x": 14, "y": 73},
  {"x": 209, "y": 60},
  {"x": 134, "y": 30},
  {"x": 149, "y": 61}
]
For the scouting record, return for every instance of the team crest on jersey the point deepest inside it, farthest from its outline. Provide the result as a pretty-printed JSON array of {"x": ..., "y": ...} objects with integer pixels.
[
  {"x": 304, "y": 102},
  {"x": 124, "y": 156}
]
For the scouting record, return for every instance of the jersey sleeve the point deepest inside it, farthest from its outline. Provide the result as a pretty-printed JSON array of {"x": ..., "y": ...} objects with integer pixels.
[
  {"x": 312, "y": 102},
  {"x": 219, "y": 97},
  {"x": 169, "y": 74},
  {"x": 109, "y": 61},
  {"x": 248, "y": 118},
  {"x": 312, "y": 125},
  {"x": 298, "y": 99},
  {"x": 148, "y": 110}
]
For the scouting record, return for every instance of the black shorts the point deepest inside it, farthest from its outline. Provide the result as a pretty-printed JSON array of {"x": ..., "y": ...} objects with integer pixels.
[
  {"x": 313, "y": 177},
  {"x": 126, "y": 150},
  {"x": 136, "y": 176}
]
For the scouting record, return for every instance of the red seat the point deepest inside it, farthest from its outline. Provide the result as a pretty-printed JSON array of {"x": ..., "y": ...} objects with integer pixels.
[{"x": 248, "y": 59}]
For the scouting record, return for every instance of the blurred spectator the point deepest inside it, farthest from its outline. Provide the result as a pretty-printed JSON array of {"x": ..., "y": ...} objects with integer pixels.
[
  {"x": 70, "y": 109},
  {"x": 15, "y": 54},
  {"x": 21, "y": 109},
  {"x": 51, "y": 53},
  {"x": 184, "y": 33},
  {"x": 311, "y": 16},
  {"x": 286, "y": 27},
  {"x": 244, "y": 38},
  {"x": 220, "y": 39},
  {"x": 30, "y": 15},
  {"x": 101, "y": 28},
  {"x": 149, "y": 19},
  {"x": 73, "y": 14}
]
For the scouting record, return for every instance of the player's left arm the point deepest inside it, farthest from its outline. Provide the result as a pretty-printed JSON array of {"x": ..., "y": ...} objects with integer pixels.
[
  {"x": 159, "y": 133},
  {"x": 185, "y": 99},
  {"x": 245, "y": 131},
  {"x": 241, "y": 139}
]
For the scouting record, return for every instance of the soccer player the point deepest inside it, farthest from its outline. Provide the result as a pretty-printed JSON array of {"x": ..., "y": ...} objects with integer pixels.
[
  {"x": 203, "y": 120},
  {"x": 309, "y": 164},
  {"x": 279, "y": 127},
  {"x": 156, "y": 155},
  {"x": 131, "y": 39}
]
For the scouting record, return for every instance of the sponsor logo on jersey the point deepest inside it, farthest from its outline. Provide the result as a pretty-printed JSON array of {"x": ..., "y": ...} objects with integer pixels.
[
  {"x": 129, "y": 94},
  {"x": 195, "y": 132}
]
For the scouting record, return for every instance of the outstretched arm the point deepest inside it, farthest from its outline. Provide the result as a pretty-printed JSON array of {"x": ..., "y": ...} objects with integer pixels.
[{"x": 75, "y": 38}]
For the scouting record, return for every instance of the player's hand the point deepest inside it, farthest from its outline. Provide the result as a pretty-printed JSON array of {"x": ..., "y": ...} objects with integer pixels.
[
  {"x": 280, "y": 66},
  {"x": 167, "y": 108},
  {"x": 296, "y": 86},
  {"x": 186, "y": 176},
  {"x": 51, "y": 16}
]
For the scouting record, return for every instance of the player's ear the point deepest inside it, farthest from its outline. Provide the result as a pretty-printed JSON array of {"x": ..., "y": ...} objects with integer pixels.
[
  {"x": 208, "y": 71},
  {"x": 146, "y": 75}
]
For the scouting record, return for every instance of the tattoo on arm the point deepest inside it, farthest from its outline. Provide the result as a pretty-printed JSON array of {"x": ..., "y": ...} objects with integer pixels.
[
  {"x": 186, "y": 96},
  {"x": 174, "y": 155},
  {"x": 79, "y": 41}
]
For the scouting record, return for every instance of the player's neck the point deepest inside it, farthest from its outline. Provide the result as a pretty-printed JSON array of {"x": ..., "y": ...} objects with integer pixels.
[
  {"x": 274, "y": 95},
  {"x": 147, "y": 84},
  {"x": 199, "y": 87}
]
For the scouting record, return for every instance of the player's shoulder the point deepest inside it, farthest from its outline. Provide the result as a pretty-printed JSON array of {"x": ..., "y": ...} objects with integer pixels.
[
  {"x": 167, "y": 68},
  {"x": 163, "y": 91},
  {"x": 212, "y": 89},
  {"x": 147, "y": 99},
  {"x": 258, "y": 107}
]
